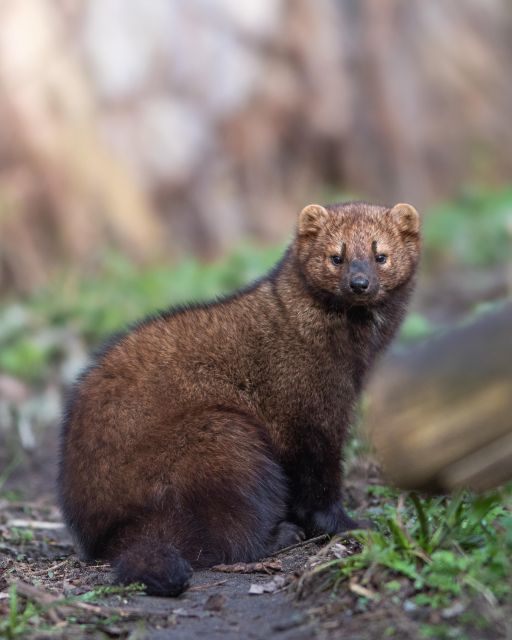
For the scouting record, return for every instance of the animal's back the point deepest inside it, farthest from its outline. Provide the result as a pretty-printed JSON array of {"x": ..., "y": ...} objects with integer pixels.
[{"x": 157, "y": 445}]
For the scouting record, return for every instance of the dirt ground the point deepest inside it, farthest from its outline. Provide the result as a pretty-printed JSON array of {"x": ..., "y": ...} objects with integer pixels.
[
  {"x": 37, "y": 554},
  {"x": 217, "y": 605}
]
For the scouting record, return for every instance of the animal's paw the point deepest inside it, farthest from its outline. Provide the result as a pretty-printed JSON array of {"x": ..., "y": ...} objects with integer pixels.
[
  {"x": 334, "y": 520},
  {"x": 285, "y": 534}
]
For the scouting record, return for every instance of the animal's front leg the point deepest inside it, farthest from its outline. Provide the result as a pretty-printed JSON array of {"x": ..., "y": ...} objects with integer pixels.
[{"x": 316, "y": 498}]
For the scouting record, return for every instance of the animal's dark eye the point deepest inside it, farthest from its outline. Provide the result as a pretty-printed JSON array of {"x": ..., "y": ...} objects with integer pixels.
[
  {"x": 336, "y": 260},
  {"x": 381, "y": 258}
]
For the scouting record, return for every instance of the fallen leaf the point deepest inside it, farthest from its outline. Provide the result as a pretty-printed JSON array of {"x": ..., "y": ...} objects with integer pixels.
[
  {"x": 339, "y": 550},
  {"x": 359, "y": 590},
  {"x": 267, "y": 566}
]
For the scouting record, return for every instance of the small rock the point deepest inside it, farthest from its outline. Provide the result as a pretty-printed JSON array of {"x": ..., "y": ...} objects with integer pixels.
[
  {"x": 267, "y": 566},
  {"x": 271, "y": 586},
  {"x": 215, "y": 602},
  {"x": 409, "y": 606}
]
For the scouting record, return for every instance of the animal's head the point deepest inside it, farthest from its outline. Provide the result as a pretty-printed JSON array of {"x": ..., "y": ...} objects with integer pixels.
[{"x": 357, "y": 252}]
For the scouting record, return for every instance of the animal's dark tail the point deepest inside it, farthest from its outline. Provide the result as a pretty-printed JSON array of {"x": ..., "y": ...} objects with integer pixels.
[{"x": 160, "y": 567}]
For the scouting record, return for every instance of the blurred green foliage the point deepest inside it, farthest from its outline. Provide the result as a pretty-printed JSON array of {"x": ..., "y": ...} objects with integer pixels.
[
  {"x": 122, "y": 293},
  {"x": 473, "y": 230},
  {"x": 25, "y": 358},
  {"x": 415, "y": 327},
  {"x": 95, "y": 306}
]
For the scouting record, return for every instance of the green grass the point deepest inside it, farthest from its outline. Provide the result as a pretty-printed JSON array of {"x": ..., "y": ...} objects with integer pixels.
[
  {"x": 432, "y": 552},
  {"x": 20, "y": 615}
]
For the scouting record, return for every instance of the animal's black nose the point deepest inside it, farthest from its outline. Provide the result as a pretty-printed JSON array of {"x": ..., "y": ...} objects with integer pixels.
[{"x": 359, "y": 284}]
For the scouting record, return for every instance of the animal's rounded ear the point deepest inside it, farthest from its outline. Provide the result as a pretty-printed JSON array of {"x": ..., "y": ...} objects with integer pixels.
[
  {"x": 312, "y": 218},
  {"x": 406, "y": 218}
]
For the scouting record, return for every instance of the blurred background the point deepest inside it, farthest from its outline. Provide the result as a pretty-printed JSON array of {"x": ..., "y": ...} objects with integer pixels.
[{"x": 152, "y": 152}]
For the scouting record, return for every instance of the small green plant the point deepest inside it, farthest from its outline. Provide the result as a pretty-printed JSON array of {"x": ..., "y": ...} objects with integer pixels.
[
  {"x": 108, "y": 590},
  {"x": 438, "y": 549},
  {"x": 16, "y": 624},
  {"x": 25, "y": 615},
  {"x": 21, "y": 537}
]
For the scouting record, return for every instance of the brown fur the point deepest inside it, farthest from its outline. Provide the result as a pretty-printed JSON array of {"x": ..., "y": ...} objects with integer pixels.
[{"x": 196, "y": 436}]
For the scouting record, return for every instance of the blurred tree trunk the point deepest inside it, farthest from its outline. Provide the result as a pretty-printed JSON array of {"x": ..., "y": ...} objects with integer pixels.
[
  {"x": 228, "y": 117},
  {"x": 441, "y": 412},
  {"x": 52, "y": 110}
]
